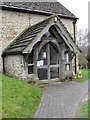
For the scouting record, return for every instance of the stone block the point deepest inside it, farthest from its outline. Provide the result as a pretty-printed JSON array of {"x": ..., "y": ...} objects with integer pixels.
[
  {"x": 66, "y": 76},
  {"x": 32, "y": 78}
]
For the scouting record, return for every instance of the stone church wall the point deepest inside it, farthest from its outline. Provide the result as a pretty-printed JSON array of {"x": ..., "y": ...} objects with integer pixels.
[
  {"x": 13, "y": 23},
  {"x": 14, "y": 66}
]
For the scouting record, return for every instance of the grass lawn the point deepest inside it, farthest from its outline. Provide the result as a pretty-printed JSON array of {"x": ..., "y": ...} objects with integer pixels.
[
  {"x": 85, "y": 110},
  {"x": 85, "y": 75},
  {"x": 19, "y": 99}
]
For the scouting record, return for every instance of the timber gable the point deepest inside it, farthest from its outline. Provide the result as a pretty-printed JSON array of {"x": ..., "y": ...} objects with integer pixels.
[{"x": 25, "y": 42}]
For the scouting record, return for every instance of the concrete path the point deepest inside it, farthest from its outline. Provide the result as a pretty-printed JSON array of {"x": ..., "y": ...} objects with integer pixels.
[{"x": 61, "y": 100}]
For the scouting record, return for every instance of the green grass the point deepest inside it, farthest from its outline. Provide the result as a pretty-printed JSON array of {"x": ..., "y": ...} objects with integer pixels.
[
  {"x": 19, "y": 99},
  {"x": 85, "y": 75},
  {"x": 85, "y": 110},
  {"x": 89, "y": 109}
]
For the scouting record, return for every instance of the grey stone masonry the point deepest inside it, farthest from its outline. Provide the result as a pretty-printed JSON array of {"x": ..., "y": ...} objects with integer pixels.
[
  {"x": 14, "y": 66},
  {"x": 13, "y": 23}
]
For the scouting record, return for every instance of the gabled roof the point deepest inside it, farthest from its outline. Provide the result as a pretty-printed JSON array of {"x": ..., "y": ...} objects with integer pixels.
[
  {"x": 40, "y": 7},
  {"x": 30, "y": 35}
]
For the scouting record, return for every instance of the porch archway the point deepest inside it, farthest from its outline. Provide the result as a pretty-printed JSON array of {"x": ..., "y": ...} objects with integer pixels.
[{"x": 48, "y": 63}]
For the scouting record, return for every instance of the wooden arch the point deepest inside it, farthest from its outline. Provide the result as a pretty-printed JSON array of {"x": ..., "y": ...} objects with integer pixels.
[{"x": 61, "y": 30}]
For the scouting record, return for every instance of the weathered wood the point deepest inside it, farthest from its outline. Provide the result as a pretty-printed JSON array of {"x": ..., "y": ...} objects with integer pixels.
[
  {"x": 62, "y": 33},
  {"x": 64, "y": 38},
  {"x": 42, "y": 44},
  {"x": 67, "y": 62},
  {"x": 30, "y": 36},
  {"x": 48, "y": 66},
  {"x": 34, "y": 32},
  {"x": 48, "y": 59},
  {"x": 20, "y": 45},
  {"x": 71, "y": 65},
  {"x": 15, "y": 50},
  {"x": 42, "y": 67},
  {"x": 39, "y": 36},
  {"x": 57, "y": 44},
  {"x": 55, "y": 66},
  {"x": 67, "y": 35},
  {"x": 60, "y": 40},
  {"x": 62, "y": 64},
  {"x": 47, "y": 41},
  {"x": 55, "y": 33},
  {"x": 35, "y": 58},
  {"x": 44, "y": 27}
]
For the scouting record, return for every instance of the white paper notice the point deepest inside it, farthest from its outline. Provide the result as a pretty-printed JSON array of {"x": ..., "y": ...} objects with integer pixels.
[
  {"x": 44, "y": 55},
  {"x": 41, "y": 62},
  {"x": 38, "y": 63}
]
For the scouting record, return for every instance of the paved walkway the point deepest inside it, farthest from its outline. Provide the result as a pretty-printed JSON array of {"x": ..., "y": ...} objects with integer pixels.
[
  {"x": 61, "y": 100},
  {"x": 89, "y": 89}
]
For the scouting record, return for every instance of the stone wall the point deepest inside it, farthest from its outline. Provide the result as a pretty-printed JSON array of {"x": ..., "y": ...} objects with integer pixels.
[
  {"x": 13, "y": 23},
  {"x": 0, "y": 40},
  {"x": 69, "y": 25},
  {"x": 14, "y": 66},
  {"x": 36, "y": 18}
]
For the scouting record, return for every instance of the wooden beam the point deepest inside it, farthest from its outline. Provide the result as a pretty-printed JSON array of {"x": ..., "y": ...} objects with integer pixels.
[
  {"x": 64, "y": 31},
  {"x": 42, "y": 67},
  {"x": 66, "y": 41},
  {"x": 35, "y": 58},
  {"x": 54, "y": 66},
  {"x": 56, "y": 35},
  {"x": 42, "y": 44},
  {"x": 64, "y": 34},
  {"x": 48, "y": 59},
  {"x": 38, "y": 37}
]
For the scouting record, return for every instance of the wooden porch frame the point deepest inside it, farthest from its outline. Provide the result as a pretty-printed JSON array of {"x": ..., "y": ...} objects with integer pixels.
[
  {"x": 48, "y": 66},
  {"x": 38, "y": 43},
  {"x": 61, "y": 30}
]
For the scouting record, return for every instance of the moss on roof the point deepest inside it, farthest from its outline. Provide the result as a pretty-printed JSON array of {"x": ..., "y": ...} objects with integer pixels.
[{"x": 29, "y": 34}]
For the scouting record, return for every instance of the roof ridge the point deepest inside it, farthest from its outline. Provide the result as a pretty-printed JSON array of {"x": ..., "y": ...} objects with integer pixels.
[
  {"x": 24, "y": 40},
  {"x": 40, "y": 7}
]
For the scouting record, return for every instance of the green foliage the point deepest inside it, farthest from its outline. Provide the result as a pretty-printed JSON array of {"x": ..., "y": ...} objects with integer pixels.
[
  {"x": 89, "y": 109},
  {"x": 84, "y": 110},
  {"x": 19, "y": 99}
]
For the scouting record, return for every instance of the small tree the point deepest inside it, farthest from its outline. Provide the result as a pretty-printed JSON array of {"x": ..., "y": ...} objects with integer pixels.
[{"x": 82, "y": 37}]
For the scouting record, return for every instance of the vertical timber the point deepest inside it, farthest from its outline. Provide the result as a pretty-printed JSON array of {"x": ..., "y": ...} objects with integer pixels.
[{"x": 74, "y": 23}]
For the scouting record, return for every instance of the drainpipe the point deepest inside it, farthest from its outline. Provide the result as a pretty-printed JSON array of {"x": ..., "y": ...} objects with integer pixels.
[{"x": 75, "y": 62}]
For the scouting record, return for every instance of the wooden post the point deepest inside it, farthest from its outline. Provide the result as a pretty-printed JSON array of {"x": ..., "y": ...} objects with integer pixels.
[
  {"x": 62, "y": 61},
  {"x": 70, "y": 62},
  {"x": 35, "y": 59},
  {"x": 74, "y": 22},
  {"x": 48, "y": 59}
]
